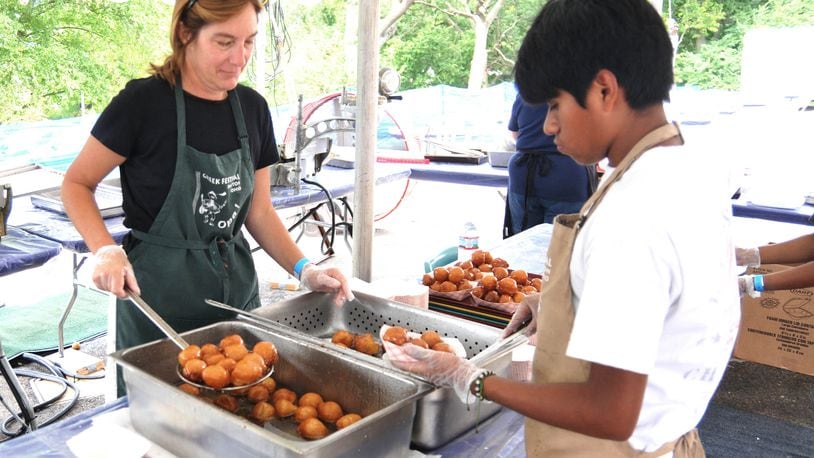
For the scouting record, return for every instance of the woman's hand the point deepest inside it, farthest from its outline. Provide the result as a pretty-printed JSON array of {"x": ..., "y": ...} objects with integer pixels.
[
  {"x": 328, "y": 280},
  {"x": 113, "y": 271}
]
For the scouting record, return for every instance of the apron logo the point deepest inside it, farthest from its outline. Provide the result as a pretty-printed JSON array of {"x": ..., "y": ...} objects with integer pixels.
[{"x": 213, "y": 201}]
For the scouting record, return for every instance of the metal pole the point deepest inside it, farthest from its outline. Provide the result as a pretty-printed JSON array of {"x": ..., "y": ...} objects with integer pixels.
[{"x": 367, "y": 68}]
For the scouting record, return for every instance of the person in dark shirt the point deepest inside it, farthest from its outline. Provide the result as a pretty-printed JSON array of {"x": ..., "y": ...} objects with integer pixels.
[
  {"x": 193, "y": 149},
  {"x": 543, "y": 182}
]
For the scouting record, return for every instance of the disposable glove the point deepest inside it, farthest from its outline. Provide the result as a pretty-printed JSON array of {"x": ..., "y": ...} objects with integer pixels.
[
  {"x": 526, "y": 310},
  {"x": 748, "y": 257},
  {"x": 113, "y": 271},
  {"x": 440, "y": 368},
  {"x": 328, "y": 280},
  {"x": 746, "y": 284}
]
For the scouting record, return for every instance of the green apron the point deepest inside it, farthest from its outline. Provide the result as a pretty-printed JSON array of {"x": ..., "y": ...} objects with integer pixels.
[{"x": 195, "y": 249}]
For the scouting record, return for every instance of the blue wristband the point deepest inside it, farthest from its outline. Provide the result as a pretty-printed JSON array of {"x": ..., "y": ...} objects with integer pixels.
[
  {"x": 299, "y": 265},
  {"x": 758, "y": 281}
]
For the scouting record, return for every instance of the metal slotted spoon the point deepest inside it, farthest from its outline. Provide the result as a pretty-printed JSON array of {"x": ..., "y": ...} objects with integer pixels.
[{"x": 182, "y": 344}]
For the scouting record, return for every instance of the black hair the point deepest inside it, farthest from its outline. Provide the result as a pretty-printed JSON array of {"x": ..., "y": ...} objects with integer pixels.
[{"x": 570, "y": 41}]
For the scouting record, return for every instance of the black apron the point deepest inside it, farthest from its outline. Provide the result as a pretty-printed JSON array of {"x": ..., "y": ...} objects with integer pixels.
[{"x": 195, "y": 249}]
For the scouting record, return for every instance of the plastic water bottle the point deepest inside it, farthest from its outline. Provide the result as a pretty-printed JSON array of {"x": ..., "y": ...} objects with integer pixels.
[{"x": 468, "y": 241}]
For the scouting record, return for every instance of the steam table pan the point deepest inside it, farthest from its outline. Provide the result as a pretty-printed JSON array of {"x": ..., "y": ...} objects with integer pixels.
[
  {"x": 188, "y": 426},
  {"x": 440, "y": 415}
]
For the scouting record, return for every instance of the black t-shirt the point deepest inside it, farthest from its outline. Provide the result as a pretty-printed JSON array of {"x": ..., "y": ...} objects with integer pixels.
[{"x": 140, "y": 124}]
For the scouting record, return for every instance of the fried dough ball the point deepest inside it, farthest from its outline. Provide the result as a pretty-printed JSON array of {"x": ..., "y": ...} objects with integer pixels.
[
  {"x": 396, "y": 335},
  {"x": 466, "y": 265},
  {"x": 230, "y": 340},
  {"x": 427, "y": 280},
  {"x": 284, "y": 408},
  {"x": 464, "y": 285},
  {"x": 528, "y": 289},
  {"x": 520, "y": 276},
  {"x": 268, "y": 351},
  {"x": 489, "y": 282},
  {"x": 348, "y": 419},
  {"x": 284, "y": 393},
  {"x": 190, "y": 389},
  {"x": 312, "y": 428},
  {"x": 270, "y": 384},
  {"x": 491, "y": 296},
  {"x": 310, "y": 399},
  {"x": 214, "y": 358},
  {"x": 431, "y": 337},
  {"x": 478, "y": 258},
  {"x": 208, "y": 349},
  {"x": 456, "y": 274},
  {"x": 518, "y": 297},
  {"x": 507, "y": 285},
  {"x": 448, "y": 287},
  {"x": 193, "y": 369},
  {"x": 537, "y": 283},
  {"x": 246, "y": 372},
  {"x": 215, "y": 376},
  {"x": 365, "y": 343},
  {"x": 226, "y": 402},
  {"x": 305, "y": 412},
  {"x": 504, "y": 299},
  {"x": 500, "y": 262},
  {"x": 228, "y": 364},
  {"x": 436, "y": 286},
  {"x": 500, "y": 272},
  {"x": 342, "y": 337},
  {"x": 469, "y": 274},
  {"x": 420, "y": 342},
  {"x": 478, "y": 292},
  {"x": 262, "y": 411},
  {"x": 235, "y": 351},
  {"x": 258, "y": 393},
  {"x": 443, "y": 346},
  {"x": 255, "y": 357},
  {"x": 329, "y": 411},
  {"x": 477, "y": 273},
  {"x": 191, "y": 352},
  {"x": 441, "y": 274},
  {"x": 485, "y": 267}
]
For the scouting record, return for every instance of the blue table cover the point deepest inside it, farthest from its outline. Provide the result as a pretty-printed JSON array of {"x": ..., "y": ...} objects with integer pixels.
[
  {"x": 801, "y": 215},
  {"x": 56, "y": 226},
  {"x": 446, "y": 172},
  {"x": 338, "y": 181},
  {"x": 20, "y": 250}
]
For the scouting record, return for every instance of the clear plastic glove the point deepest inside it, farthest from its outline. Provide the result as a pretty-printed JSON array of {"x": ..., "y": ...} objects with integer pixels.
[
  {"x": 327, "y": 280},
  {"x": 440, "y": 368},
  {"x": 747, "y": 257},
  {"x": 113, "y": 271},
  {"x": 526, "y": 310},
  {"x": 746, "y": 285}
]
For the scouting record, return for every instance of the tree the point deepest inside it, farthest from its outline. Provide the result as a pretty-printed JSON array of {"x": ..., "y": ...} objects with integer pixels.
[
  {"x": 480, "y": 14},
  {"x": 60, "y": 57}
]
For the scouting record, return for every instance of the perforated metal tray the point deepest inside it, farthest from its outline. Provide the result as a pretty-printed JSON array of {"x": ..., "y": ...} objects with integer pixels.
[
  {"x": 440, "y": 415},
  {"x": 188, "y": 426}
]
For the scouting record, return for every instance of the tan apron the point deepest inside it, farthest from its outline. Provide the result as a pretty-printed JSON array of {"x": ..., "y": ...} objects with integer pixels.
[{"x": 555, "y": 322}]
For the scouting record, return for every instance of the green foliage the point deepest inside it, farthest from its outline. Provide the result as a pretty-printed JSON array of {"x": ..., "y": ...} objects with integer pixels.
[
  {"x": 711, "y": 57},
  {"x": 56, "y": 55},
  {"x": 430, "y": 48}
]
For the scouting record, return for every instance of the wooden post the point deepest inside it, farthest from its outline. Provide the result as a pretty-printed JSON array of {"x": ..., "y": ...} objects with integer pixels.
[{"x": 367, "y": 68}]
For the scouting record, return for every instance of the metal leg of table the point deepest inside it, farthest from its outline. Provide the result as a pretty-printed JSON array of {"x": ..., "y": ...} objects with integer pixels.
[{"x": 77, "y": 264}]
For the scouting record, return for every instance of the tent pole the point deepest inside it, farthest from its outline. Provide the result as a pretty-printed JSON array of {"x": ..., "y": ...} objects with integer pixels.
[{"x": 367, "y": 68}]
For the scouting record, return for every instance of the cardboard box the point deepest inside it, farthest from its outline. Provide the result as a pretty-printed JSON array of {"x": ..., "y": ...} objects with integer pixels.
[{"x": 777, "y": 328}]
